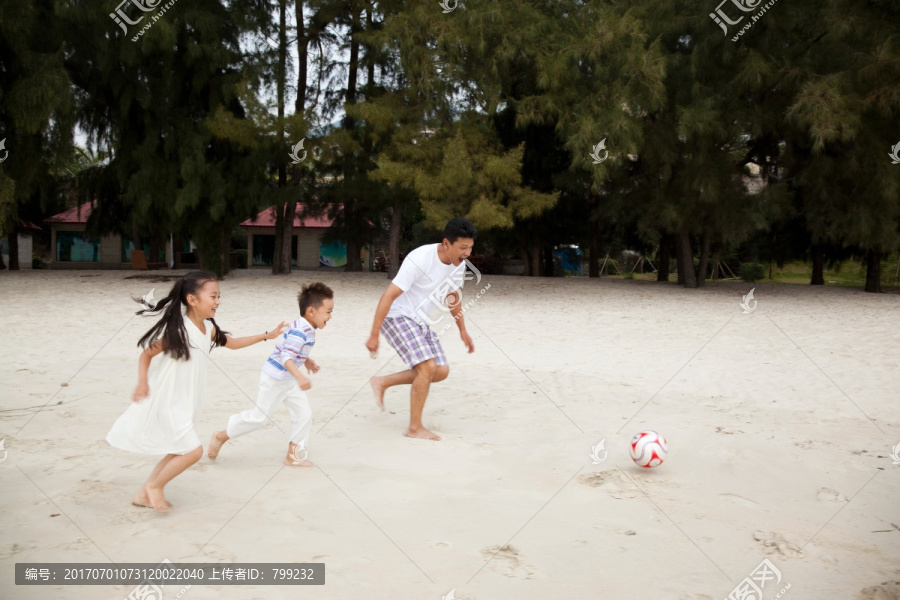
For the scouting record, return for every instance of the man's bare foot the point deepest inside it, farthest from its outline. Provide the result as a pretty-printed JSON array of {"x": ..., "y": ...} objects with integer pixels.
[
  {"x": 141, "y": 499},
  {"x": 422, "y": 433},
  {"x": 297, "y": 463},
  {"x": 215, "y": 444},
  {"x": 378, "y": 388}
]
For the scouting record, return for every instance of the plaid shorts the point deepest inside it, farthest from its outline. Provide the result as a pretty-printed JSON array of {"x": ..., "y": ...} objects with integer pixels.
[{"x": 413, "y": 342}]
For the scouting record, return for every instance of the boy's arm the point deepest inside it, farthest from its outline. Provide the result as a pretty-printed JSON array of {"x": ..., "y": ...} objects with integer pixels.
[
  {"x": 302, "y": 380},
  {"x": 249, "y": 340},
  {"x": 384, "y": 305}
]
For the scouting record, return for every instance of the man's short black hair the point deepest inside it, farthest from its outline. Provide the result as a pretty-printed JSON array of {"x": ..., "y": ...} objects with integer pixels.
[{"x": 458, "y": 228}]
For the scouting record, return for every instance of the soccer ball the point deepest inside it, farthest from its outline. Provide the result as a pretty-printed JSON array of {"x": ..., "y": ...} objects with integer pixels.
[{"x": 648, "y": 449}]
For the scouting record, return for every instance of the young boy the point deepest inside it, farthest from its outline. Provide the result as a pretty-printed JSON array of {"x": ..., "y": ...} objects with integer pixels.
[
  {"x": 282, "y": 381},
  {"x": 428, "y": 275}
]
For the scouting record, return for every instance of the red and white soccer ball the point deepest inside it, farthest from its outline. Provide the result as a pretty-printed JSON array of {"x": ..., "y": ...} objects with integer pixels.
[{"x": 648, "y": 449}]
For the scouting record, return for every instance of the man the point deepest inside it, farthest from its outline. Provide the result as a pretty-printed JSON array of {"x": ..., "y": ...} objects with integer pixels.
[{"x": 428, "y": 275}]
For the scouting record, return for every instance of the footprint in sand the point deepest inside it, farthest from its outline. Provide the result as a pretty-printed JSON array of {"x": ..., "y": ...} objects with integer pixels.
[
  {"x": 506, "y": 561},
  {"x": 829, "y": 495},
  {"x": 889, "y": 590},
  {"x": 775, "y": 544},
  {"x": 619, "y": 487},
  {"x": 739, "y": 500}
]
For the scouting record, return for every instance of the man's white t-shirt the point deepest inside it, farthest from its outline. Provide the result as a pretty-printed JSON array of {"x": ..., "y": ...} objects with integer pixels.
[{"x": 425, "y": 282}]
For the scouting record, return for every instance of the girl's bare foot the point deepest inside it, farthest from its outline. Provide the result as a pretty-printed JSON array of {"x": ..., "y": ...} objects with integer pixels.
[
  {"x": 378, "y": 388},
  {"x": 297, "y": 463},
  {"x": 151, "y": 498},
  {"x": 422, "y": 433},
  {"x": 141, "y": 499},
  {"x": 215, "y": 444}
]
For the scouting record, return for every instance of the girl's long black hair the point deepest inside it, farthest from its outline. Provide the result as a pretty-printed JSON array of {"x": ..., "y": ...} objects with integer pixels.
[{"x": 171, "y": 325}]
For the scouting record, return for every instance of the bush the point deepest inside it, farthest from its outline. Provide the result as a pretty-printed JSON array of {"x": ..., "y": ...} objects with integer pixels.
[
  {"x": 751, "y": 272},
  {"x": 38, "y": 263}
]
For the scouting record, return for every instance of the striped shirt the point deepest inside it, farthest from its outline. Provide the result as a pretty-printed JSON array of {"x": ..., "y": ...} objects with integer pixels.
[{"x": 294, "y": 344}]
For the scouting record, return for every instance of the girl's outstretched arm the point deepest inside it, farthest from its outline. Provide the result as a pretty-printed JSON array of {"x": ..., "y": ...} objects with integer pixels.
[
  {"x": 243, "y": 342},
  {"x": 142, "y": 389}
]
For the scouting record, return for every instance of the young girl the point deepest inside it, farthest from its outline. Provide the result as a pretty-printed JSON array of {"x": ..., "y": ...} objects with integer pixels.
[{"x": 165, "y": 409}]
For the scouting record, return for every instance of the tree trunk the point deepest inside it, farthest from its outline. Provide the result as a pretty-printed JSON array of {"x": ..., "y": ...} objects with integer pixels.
[
  {"x": 873, "y": 271},
  {"x": 594, "y": 248},
  {"x": 279, "y": 238},
  {"x": 686, "y": 275},
  {"x": 664, "y": 256},
  {"x": 14, "y": 245},
  {"x": 818, "y": 272},
  {"x": 547, "y": 255},
  {"x": 225, "y": 251},
  {"x": 283, "y": 209},
  {"x": 394, "y": 241},
  {"x": 353, "y": 243},
  {"x": 302, "y": 58},
  {"x": 704, "y": 259},
  {"x": 287, "y": 236},
  {"x": 176, "y": 252},
  {"x": 535, "y": 256}
]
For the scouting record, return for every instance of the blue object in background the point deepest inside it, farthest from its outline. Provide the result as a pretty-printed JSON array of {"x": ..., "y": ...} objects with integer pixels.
[
  {"x": 569, "y": 258},
  {"x": 333, "y": 254}
]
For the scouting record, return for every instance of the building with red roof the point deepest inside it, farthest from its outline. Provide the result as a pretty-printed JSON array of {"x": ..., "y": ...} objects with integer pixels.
[
  {"x": 307, "y": 249},
  {"x": 73, "y": 248}
]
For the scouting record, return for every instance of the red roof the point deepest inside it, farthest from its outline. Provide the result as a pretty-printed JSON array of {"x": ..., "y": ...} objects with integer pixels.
[
  {"x": 267, "y": 219},
  {"x": 77, "y": 215}
]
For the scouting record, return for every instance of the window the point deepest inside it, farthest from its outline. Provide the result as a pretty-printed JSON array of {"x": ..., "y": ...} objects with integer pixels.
[
  {"x": 76, "y": 246},
  {"x": 128, "y": 246},
  {"x": 264, "y": 250}
]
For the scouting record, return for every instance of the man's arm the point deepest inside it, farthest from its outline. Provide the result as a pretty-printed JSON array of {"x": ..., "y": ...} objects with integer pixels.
[
  {"x": 456, "y": 309},
  {"x": 384, "y": 305}
]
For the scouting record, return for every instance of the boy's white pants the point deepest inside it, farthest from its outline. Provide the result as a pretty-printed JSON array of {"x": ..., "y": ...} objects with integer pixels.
[{"x": 272, "y": 392}]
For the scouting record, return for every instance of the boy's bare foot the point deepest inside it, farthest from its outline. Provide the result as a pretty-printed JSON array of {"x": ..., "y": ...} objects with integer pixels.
[
  {"x": 215, "y": 444},
  {"x": 378, "y": 388},
  {"x": 422, "y": 433},
  {"x": 297, "y": 463},
  {"x": 141, "y": 499}
]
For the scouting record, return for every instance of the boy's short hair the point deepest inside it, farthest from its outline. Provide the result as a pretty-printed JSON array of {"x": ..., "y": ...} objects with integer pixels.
[
  {"x": 313, "y": 295},
  {"x": 458, "y": 228}
]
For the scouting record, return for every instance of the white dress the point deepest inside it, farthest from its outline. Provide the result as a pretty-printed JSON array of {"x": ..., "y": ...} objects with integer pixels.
[{"x": 164, "y": 421}]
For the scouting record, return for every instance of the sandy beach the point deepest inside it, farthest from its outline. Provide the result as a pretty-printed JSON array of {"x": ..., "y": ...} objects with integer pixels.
[{"x": 780, "y": 425}]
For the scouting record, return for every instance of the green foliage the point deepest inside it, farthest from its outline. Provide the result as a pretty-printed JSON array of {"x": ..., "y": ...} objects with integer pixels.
[{"x": 751, "y": 272}]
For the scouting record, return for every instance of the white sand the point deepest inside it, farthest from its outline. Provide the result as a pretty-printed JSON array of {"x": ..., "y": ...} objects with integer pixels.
[{"x": 774, "y": 420}]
